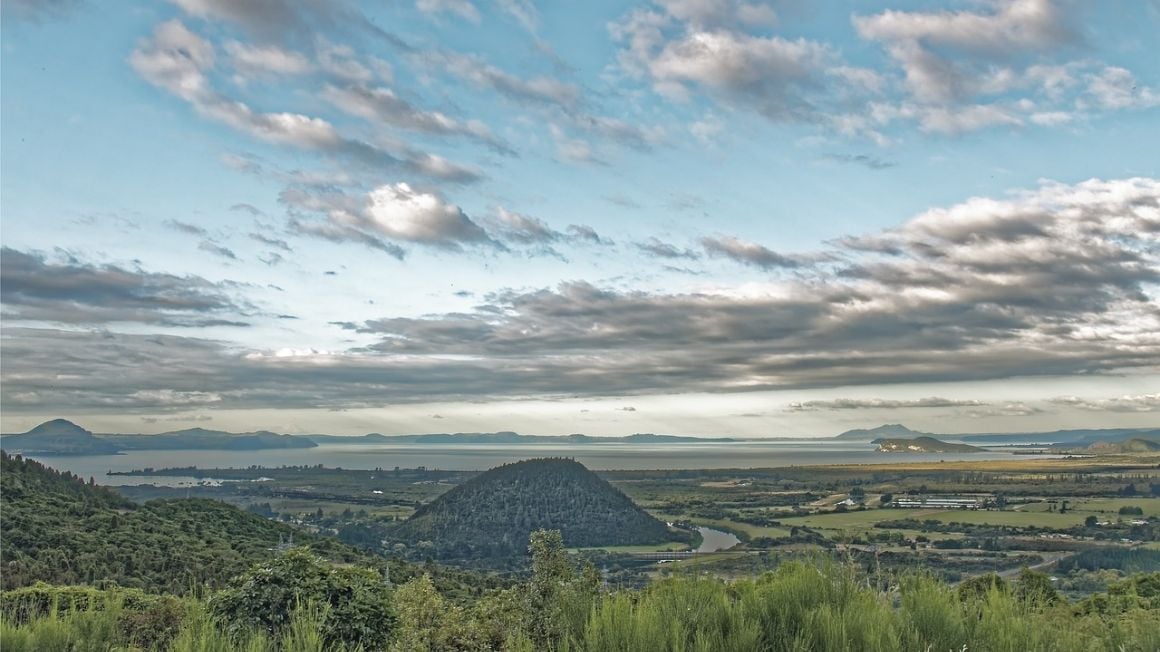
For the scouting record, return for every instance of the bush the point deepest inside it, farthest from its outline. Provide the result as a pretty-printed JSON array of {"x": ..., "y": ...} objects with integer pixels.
[{"x": 354, "y": 604}]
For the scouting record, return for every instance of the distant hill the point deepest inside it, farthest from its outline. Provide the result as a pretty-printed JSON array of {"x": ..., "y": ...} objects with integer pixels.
[
  {"x": 922, "y": 445},
  {"x": 57, "y": 437},
  {"x": 1135, "y": 445},
  {"x": 1059, "y": 438},
  {"x": 63, "y": 437},
  {"x": 889, "y": 431},
  {"x": 60, "y": 530},
  {"x": 492, "y": 514},
  {"x": 1063, "y": 438},
  {"x": 508, "y": 437},
  {"x": 202, "y": 439}
]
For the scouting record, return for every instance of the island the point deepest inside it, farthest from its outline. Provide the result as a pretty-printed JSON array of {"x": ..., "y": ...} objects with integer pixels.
[{"x": 923, "y": 445}]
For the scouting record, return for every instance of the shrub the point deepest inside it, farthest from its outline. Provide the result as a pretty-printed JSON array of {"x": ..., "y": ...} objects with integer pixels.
[{"x": 355, "y": 603}]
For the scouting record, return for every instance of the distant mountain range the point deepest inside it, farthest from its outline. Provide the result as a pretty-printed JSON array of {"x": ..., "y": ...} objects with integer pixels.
[
  {"x": 508, "y": 437},
  {"x": 63, "y": 437},
  {"x": 1057, "y": 438},
  {"x": 888, "y": 431}
]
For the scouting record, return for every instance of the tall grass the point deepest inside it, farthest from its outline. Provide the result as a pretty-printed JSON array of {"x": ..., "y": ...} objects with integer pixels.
[{"x": 800, "y": 607}]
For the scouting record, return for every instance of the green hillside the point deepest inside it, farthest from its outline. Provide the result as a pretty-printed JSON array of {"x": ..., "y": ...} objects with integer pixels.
[
  {"x": 58, "y": 529},
  {"x": 492, "y": 514}
]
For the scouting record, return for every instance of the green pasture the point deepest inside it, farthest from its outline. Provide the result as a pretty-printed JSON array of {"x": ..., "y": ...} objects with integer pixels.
[{"x": 1111, "y": 506}]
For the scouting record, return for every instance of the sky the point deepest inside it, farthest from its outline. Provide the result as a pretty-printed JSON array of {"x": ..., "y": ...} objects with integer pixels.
[{"x": 702, "y": 217}]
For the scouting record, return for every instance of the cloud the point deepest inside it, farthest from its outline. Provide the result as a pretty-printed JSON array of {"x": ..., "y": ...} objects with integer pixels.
[
  {"x": 573, "y": 150},
  {"x": 1117, "y": 88},
  {"x": 1056, "y": 280},
  {"x": 177, "y": 60},
  {"x": 623, "y": 201},
  {"x": 378, "y": 104},
  {"x": 1123, "y": 404},
  {"x": 999, "y": 66},
  {"x": 584, "y": 234},
  {"x": 276, "y": 243},
  {"x": 395, "y": 212},
  {"x": 286, "y": 20},
  {"x": 748, "y": 253},
  {"x": 865, "y": 160},
  {"x": 75, "y": 292},
  {"x": 1008, "y": 409},
  {"x": 462, "y": 8},
  {"x": 187, "y": 228},
  {"x": 38, "y": 10},
  {"x": 881, "y": 404},
  {"x": 475, "y": 70},
  {"x": 266, "y": 60},
  {"x": 523, "y": 229},
  {"x": 776, "y": 77},
  {"x": 658, "y": 249},
  {"x": 217, "y": 249},
  {"x": 915, "y": 41}
]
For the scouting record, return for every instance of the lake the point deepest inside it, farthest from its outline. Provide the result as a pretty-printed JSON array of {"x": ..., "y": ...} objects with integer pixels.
[
  {"x": 714, "y": 540},
  {"x": 478, "y": 457}
]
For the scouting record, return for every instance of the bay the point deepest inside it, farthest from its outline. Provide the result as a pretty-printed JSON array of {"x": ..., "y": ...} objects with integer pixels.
[{"x": 478, "y": 457}]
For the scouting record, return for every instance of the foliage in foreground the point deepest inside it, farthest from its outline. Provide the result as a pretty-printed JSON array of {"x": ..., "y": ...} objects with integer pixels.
[{"x": 299, "y": 603}]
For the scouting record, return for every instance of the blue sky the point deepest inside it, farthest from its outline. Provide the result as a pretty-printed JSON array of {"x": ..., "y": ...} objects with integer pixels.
[{"x": 767, "y": 218}]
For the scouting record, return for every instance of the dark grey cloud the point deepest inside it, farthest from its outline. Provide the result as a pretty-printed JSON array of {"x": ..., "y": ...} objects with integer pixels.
[
  {"x": 74, "y": 292},
  {"x": 659, "y": 249},
  {"x": 748, "y": 253}
]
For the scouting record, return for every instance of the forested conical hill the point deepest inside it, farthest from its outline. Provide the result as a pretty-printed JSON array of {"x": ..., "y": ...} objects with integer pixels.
[
  {"x": 492, "y": 514},
  {"x": 57, "y": 529}
]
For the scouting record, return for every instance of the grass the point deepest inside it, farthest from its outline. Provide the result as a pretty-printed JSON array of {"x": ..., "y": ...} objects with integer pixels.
[
  {"x": 1111, "y": 506},
  {"x": 1008, "y": 518},
  {"x": 855, "y": 519}
]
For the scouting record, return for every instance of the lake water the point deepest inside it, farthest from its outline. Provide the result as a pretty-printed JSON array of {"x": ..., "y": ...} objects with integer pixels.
[
  {"x": 478, "y": 457},
  {"x": 714, "y": 540}
]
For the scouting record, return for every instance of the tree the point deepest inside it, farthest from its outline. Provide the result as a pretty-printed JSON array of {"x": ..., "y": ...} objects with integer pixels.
[
  {"x": 557, "y": 598},
  {"x": 886, "y": 499},
  {"x": 355, "y": 602},
  {"x": 1091, "y": 521}
]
